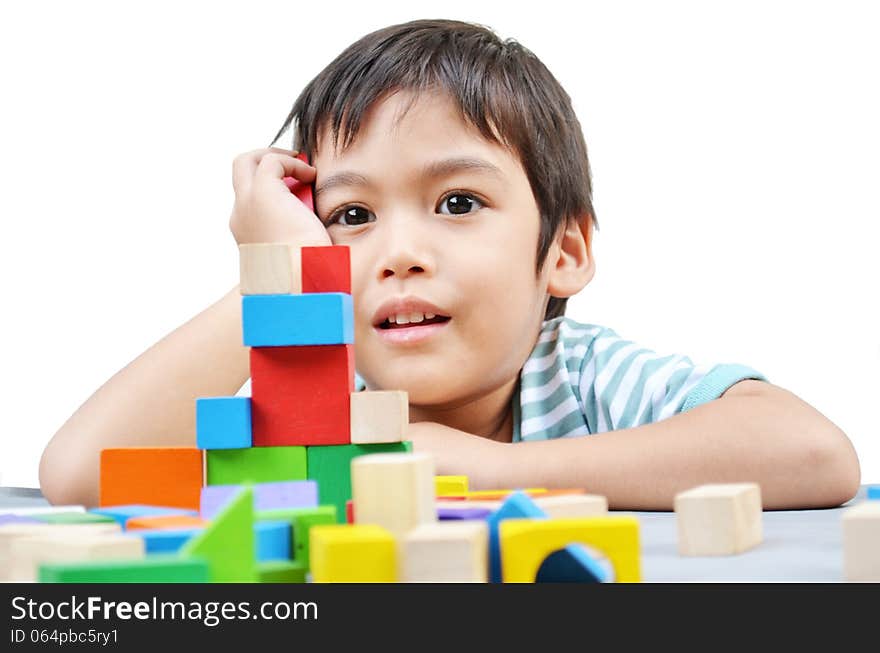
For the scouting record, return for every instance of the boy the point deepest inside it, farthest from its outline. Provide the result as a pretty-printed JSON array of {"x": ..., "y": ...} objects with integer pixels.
[{"x": 453, "y": 167}]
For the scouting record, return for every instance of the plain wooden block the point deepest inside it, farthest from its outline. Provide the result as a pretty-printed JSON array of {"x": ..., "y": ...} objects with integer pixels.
[
  {"x": 352, "y": 553},
  {"x": 300, "y": 395},
  {"x": 159, "y": 476},
  {"x": 379, "y": 416},
  {"x": 269, "y": 269},
  {"x": 861, "y": 541},
  {"x": 572, "y": 505},
  {"x": 394, "y": 490},
  {"x": 326, "y": 269},
  {"x": 26, "y": 554},
  {"x": 9, "y": 533},
  {"x": 446, "y": 552},
  {"x": 719, "y": 519}
]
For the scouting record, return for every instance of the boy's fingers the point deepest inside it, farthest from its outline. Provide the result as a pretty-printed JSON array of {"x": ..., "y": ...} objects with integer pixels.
[
  {"x": 278, "y": 166},
  {"x": 244, "y": 166}
]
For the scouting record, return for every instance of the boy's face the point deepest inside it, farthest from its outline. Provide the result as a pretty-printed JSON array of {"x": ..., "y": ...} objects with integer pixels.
[{"x": 464, "y": 240}]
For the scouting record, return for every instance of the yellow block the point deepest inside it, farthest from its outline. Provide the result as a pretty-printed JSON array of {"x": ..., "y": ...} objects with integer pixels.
[
  {"x": 453, "y": 485},
  {"x": 352, "y": 553},
  {"x": 526, "y": 543}
]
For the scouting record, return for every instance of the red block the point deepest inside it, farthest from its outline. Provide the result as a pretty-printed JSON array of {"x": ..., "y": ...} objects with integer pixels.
[
  {"x": 300, "y": 395},
  {"x": 301, "y": 190},
  {"x": 326, "y": 269},
  {"x": 349, "y": 512}
]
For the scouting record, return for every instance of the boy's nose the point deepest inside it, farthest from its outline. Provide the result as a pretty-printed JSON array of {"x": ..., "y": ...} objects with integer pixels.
[{"x": 404, "y": 253}]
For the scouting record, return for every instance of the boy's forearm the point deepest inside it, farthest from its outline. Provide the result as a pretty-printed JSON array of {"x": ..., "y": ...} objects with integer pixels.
[
  {"x": 798, "y": 457},
  {"x": 150, "y": 402}
]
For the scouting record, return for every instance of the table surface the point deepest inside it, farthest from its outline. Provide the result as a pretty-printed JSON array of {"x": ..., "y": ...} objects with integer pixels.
[{"x": 798, "y": 546}]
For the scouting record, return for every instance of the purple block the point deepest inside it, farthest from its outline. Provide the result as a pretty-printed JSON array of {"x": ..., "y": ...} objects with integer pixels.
[
  {"x": 444, "y": 514},
  {"x": 18, "y": 519},
  {"x": 282, "y": 494}
]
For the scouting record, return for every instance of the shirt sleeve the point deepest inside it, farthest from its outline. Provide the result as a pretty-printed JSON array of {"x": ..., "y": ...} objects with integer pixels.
[{"x": 623, "y": 385}]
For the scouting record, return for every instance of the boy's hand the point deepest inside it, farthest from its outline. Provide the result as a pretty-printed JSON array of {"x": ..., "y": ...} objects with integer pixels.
[{"x": 265, "y": 211}]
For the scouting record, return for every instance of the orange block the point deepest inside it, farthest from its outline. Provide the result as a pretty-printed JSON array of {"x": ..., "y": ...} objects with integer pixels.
[
  {"x": 165, "y": 522},
  {"x": 155, "y": 476}
]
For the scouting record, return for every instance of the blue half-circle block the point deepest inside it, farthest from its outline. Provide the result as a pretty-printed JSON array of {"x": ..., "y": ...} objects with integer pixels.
[
  {"x": 223, "y": 423},
  {"x": 321, "y": 318},
  {"x": 573, "y": 564}
]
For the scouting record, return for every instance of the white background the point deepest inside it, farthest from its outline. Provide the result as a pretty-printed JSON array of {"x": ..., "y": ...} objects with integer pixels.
[{"x": 734, "y": 149}]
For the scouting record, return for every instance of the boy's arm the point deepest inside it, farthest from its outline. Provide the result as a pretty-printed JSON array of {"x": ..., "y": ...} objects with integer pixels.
[
  {"x": 754, "y": 432},
  {"x": 150, "y": 402}
]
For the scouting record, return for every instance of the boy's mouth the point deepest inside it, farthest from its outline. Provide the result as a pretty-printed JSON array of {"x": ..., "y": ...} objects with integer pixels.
[{"x": 422, "y": 321}]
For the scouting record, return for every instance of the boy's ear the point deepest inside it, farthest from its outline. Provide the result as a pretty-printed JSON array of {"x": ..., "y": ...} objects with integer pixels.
[{"x": 571, "y": 258}]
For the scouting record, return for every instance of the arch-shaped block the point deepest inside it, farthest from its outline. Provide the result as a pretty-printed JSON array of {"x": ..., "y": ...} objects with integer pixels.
[{"x": 525, "y": 543}]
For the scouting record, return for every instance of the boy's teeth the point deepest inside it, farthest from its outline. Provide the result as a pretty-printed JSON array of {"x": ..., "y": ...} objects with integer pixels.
[{"x": 409, "y": 318}]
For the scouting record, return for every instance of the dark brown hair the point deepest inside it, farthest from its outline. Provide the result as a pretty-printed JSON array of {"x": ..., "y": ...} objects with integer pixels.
[{"x": 501, "y": 87}]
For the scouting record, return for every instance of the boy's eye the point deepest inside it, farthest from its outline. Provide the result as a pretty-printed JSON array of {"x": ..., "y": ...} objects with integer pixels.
[
  {"x": 356, "y": 216},
  {"x": 460, "y": 203}
]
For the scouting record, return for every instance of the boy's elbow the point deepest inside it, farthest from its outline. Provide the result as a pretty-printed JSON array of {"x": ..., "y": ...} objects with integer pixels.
[
  {"x": 836, "y": 466},
  {"x": 62, "y": 481}
]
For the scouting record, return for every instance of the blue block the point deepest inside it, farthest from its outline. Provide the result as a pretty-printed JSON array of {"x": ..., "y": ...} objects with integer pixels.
[
  {"x": 273, "y": 540},
  {"x": 223, "y": 422},
  {"x": 321, "y": 318},
  {"x": 573, "y": 564},
  {"x": 874, "y": 491},
  {"x": 122, "y": 513},
  {"x": 518, "y": 505},
  {"x": 164, "y": 540}
]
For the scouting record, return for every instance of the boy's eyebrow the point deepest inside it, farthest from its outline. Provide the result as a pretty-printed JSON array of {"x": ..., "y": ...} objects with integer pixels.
[{"x": 433, "y": 169}]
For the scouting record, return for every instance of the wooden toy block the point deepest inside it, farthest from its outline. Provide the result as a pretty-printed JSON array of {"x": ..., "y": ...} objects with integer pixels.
[
  {"x": 516, "y": 506},
  {"x": 861, "y": 541},
  {"x": 165, "y": 541},
  {"x": 10, "y": 532},
  {"x": 449, "y": 514},
  {"x": 331, "y": 468},
  {"x": 444, "y": 502},
  {"x": 526, "y": 543},
  {"x": 493, "y": 495},
  {"x": 72, "y": 518},
  {"x": 27, "y": 553},
  {"x": 18, "y": 519},
  {"x": 228, "y": 543},
  {"x": 325, "y": 318},
  {"x": 455, "y": 485},
  {"x": 273, "y": 540},
  {"x": 572, "y": 505},
  {"x": 326, "y": 269},
  {"x": 163, "y": 476},
  {"x": 379, "y": 416},
  {"x": 446, "y": 552},
  {"x": 349, "y": 512},
  {"x": 152, "y": 569},
  {"x": 267, "y": 496},
  {"x": 394, "y": 490},
  {"x": 42, "y": 510},
  {"x": 353, "y": 553},
  {"x": 302, "y": 190},
  {"x": 164, "y": 522},
  {"x": 301, "y": 521},
  {"x": 873, "y": 492},
  {"x": 718, "y": 519},
  {"x": 269, "y": 269},
  {"x": 281, "y": 571},
  {"x": 299, "y": 395},
  {"x": 255, "y": 465},
  {"x": 573, "y": 564},
  {"x": 122, "y": 514},
  {"x": 223, "y": 422}
]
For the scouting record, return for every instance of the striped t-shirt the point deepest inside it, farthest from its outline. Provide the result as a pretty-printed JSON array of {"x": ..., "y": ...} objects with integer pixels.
[{"x": 582, "y": 379}]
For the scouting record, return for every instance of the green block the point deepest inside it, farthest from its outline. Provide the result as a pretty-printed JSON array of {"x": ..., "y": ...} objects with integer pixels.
[
  {"x": 255, "y": 465},
  {"x": 281, "y": 571},
  {"x": 330, "y": 466},
  {"x": 301, "y": 520},
  {"x": 152, "y": 569},
  {"x": 228, "y": 543},
  {"x": 72, "y": 518}
]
